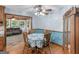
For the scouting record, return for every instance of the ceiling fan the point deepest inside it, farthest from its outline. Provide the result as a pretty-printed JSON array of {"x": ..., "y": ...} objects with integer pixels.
[{"x": 42, "y": 10}]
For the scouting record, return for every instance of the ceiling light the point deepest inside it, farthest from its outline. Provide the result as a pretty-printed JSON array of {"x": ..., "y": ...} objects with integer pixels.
[
  {"x": 43, "y": 10},
  {"x": 41, "y": 13},
  {"x": 40, "y": 10},
  {"x": 13, "y": 18},
  {"x": 37, "y": 13},
  {"x": 37, "y": 9}
]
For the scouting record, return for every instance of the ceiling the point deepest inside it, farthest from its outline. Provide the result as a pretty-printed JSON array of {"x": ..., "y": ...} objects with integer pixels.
[{"x": 28, "y": 9}]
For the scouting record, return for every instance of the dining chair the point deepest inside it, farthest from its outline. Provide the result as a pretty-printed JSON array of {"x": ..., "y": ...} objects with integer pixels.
[
  {"x": 26, "y": 44},
  {"x": 47, "y": 40}
]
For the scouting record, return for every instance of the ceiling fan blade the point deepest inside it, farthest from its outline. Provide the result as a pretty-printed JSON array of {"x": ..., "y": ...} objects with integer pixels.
[
  {"x": 49, "y": 10},
  {"x": 37, "y": 6},
  {"x": 46, "y": 13}
]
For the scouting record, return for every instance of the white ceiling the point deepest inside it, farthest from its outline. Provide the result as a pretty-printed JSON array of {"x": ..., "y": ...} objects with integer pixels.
[{"x": 28, "y": 9}]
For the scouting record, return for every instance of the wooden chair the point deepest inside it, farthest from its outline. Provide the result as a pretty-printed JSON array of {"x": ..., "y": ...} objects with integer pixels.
[
  {"x": 26, "y": 45},
  {"x": 47, "y": 35},
  {"x": 25, "y": 37}
]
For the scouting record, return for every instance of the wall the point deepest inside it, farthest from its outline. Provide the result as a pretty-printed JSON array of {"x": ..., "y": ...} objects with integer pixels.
[
  {"x": 51, "y": 22},
  {"x": 57, "y": 37}
]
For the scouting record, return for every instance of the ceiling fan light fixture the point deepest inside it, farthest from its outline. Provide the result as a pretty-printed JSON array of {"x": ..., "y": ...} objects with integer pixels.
[
  {"x": 37, "y": 13},
  {"x": 43, "y": 10},
  {"x": 41, "y": 13},
  {"x": 37, "y": 9}
]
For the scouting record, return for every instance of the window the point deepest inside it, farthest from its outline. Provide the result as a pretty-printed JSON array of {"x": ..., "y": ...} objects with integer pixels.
[
  {"x": 8, "y": 23},
  {"x": 14, "y": 24},
  {"x": 21, "y": 23}
]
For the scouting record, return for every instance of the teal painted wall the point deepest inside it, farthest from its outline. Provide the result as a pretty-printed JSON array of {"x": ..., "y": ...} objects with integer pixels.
[{"x": 57, "y": 37}]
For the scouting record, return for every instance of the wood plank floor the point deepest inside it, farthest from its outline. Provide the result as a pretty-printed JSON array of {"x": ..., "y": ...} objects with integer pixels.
[{"x": 20, "y": 48}]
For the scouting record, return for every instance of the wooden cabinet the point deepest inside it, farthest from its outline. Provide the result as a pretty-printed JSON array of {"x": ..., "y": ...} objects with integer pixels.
[
  {"x": 71, "y": 31},
  {"x": 2, "y": 28},
  {"x": 1, "y": 13},
  {"x": 1, "y": 43}
]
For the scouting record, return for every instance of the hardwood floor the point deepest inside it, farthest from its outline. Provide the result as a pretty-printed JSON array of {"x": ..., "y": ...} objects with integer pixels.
[
  {"x": 15, "y": 45},
  {"x": 20, "y": 48}
]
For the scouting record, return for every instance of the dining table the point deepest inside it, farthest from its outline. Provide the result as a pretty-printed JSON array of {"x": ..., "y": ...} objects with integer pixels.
[{"x": 36, "y": 40}]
